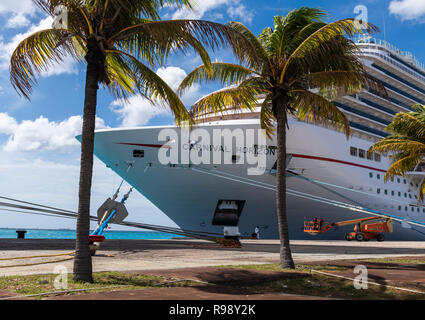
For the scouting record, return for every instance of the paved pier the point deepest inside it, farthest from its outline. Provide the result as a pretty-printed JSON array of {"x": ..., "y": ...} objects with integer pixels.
[{"x": 137, "y": 255}]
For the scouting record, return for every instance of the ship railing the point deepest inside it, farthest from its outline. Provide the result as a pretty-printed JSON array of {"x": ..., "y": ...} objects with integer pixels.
[
  {"x": 405, "y": 54},
  {"x": 393, "y": 62}
]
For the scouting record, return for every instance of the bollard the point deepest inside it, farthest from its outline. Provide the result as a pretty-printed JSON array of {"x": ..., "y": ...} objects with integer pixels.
[{"x": 21, "y": 234}]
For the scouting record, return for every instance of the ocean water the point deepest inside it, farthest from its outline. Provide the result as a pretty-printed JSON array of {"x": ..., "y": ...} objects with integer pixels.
[{"x": 70, "y": 234}]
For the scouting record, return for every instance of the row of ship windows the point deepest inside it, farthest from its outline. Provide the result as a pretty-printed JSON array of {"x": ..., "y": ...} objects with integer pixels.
[
  {"x": 378, "y": 191},
  {"x": 412, "y": 209},
  {"x": 378, "y": 176},
  {"x": 364, "y": 154}
]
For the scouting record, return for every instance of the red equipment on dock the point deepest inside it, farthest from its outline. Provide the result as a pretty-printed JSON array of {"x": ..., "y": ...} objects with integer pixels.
[
  {"x": 363, "y": 231},
  {"x": 96, "y": 238}
]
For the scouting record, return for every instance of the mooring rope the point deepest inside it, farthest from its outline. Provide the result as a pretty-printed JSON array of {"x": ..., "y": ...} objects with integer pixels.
[{"x": 209, "y": 236}]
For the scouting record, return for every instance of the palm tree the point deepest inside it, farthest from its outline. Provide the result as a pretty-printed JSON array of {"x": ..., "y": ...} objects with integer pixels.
[
  {"x": 120, "y": 41},
  {"x": 406, "y": 143},
  {"x": 299, "y": 66}
]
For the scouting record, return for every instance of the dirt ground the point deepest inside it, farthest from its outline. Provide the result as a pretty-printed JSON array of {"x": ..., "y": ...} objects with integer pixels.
[{"x": 199, "y": 260}]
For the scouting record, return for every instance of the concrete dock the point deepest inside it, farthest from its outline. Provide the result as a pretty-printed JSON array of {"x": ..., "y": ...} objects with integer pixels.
[{"x": 138, "y": 255}]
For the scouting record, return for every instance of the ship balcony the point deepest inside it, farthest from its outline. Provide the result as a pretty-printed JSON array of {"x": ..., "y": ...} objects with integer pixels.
[
  {"x": 393, "y": 105},
  {"x": 395, "y": 67},
  {"x": 405, "y": 89}
]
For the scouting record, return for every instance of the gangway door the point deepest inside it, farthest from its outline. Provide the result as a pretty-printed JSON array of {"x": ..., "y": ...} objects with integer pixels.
[{"x": 228, "y": 212}]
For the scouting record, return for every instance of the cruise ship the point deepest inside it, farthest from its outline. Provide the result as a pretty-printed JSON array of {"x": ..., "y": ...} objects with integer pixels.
[{"x": 327, "y": 174}]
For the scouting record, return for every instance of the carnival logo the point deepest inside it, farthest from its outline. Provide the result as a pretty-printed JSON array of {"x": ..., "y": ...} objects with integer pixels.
[{"x": 217, "y": 146}]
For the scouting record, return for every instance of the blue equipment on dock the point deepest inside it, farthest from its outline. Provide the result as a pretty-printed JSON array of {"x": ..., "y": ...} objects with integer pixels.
[{"x": 110, "y": 211}]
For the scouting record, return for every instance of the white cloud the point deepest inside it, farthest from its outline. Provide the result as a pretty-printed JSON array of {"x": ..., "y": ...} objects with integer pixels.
[
  {"x": 7, "y": 124},
  {"x": 200, "y": 9},
  {"x": 42, "y": 134},
  {"x": 241, "y": 12},
  {"x": 68, "y": 66},
  {"x": 25, "y": 7},
  {"x": 56, "y": 184},
  {"x": 139, "y": 111},
  {"x": 173, "y": 76},
  {"x": 17, "y": 21},
  {"x": 408, "y": 9}
]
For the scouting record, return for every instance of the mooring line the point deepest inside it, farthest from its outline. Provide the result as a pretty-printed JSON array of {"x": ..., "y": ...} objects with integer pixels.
[
  {"x": 33, "y": 257},
  {"x": 36, "y": 264},
  {"x": 374, "y": 283}
]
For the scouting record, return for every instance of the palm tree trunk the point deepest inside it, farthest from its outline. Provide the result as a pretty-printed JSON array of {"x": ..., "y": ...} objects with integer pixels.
[
  {"x": 83, "y": 261},
  {"x": 285, "y": 250}
]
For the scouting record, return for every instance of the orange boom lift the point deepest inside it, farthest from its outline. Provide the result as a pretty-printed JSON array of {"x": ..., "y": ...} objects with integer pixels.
[{"x": 364, "y": 229}]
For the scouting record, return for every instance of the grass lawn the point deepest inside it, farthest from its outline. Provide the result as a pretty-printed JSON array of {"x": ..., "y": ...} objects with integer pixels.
[
  {"x": 314, "y": 284},
  {"x": 401, "y": 260},
  {"x": 325, "y": 286},
  {"x": 103, "y": 281}
]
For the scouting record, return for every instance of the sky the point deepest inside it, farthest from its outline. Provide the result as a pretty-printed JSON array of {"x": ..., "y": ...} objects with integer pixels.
[{"x": 39, "y": 155}]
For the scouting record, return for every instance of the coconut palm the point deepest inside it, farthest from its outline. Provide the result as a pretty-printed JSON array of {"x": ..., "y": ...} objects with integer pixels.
[
  {"x": 299, "y": 66},
  {"x": 120, "y": 41},
  {"x": 406, "y": 143}
]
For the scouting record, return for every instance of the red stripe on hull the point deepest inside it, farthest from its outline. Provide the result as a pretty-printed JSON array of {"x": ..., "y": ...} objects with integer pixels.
[
  {"x": 336, "y": 161},
  {"x": 147, "y": 145}
]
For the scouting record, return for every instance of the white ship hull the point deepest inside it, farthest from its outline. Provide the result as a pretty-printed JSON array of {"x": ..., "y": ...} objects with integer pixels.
[{"x": 189, "y": 194}]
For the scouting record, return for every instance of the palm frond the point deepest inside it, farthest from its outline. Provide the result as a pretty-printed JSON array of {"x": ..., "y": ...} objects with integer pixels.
[
  {"x": 313, "y": 108},
  {"x": 153, "y": 86},
  {"x": 226, "y": 73},
  {"x": 267, "y": 118},
  {"x": 237, "y": 98},
  {"x": 399, "y": 144},
  {"x": 404, "y": 163},
  {"x": 122, "y": 79},
  {"x": 318, "y": 39},
  {"x": 259, "y": 62},
  {"x": 421, "y": 191},
  {"x": 36, "y": 54},
  {"x": 296, "y": 26},
  {"x": 336, "y": 83},
  {"x": 408, "y": 124},
  {"x": 181, "y": 32}
]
